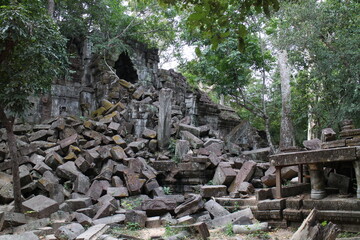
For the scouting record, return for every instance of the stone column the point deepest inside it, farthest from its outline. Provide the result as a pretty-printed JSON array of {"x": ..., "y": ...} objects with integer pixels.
[
  {"x": 317, "y": 181},
  {"x": 357, "y": 173},
  {"x": 164, "y": 125}
]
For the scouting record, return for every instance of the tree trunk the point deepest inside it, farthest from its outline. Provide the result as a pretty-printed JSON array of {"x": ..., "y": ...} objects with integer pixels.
[
  {"x": 8, "y": 124},
  {"x": 287, "y": 138},
  {"x": 51, "y": 7},
  {"x": 311, "y": 230}
]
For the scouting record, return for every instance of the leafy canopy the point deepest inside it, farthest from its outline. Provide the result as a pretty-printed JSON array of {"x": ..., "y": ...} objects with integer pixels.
[{"x": 32, "y": 53}]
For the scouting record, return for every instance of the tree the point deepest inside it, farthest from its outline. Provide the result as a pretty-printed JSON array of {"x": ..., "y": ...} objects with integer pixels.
[{"x": 32, "y": 54}]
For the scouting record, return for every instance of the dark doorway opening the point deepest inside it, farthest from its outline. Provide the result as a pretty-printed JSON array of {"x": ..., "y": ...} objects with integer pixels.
[{"x": 125, "y": 68}]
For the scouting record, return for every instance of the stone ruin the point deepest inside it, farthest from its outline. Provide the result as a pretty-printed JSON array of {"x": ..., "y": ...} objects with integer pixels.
[{"x": 136, "y": 144}]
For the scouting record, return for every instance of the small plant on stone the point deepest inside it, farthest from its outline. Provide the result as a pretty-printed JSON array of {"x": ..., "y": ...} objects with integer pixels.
[
  {"x": 171, "y": 231},
  {"x": 133, "y": 226},
  {"x": 229, "y": 230},
  {"x": 172, "y": 146},
  {"x": 348, "y": 235},
  {"x": 324, "y": 223},
  {"x": 130, "y": 204},
  {"x": 210, "y": 182},
  {"x": 167, "y": 190},
  {"x": 259, "y": 235}
]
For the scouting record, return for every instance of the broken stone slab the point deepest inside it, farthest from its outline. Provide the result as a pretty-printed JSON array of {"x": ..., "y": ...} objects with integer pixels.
[
  {"x": 215, "y": 209},
  {"x": 105, "y": 210},
  {"x": 13, "y": 219},
  {"x": 36, "y": 158},
  {"x": 83, "y": 164},
  {"x": 45, "y": 209},
  {"x": 194, "y": 141},
  {"x": 81, "y": 184},
  {"x": 269, "y": 180},
  {"x": 53, "y": 160},
  {"x": 149, "y": 134},
  {"x": 117, "y": 218},
  {"x": 186, "y": 220},
  {"x": 181, "y": 149},
  {"x": 312, "y": 144},
  {"x": 191, "y": 205},
  {"x": 328, "y": 134},
  {"x": 119, "y": 141},
  {"x": 72, "y": 140},
  {"x": 243, "y": 175},
  {"x": 241, "y": 217},
  {"x": 93, "y": 232},
  {"x": 6, "y": 191},
  {"x": 156, "y": 207},
  {"x": 246, "y": 188},
  {"x": 223, "y": 175},
  {"x": 208, "y": 191},
  {"x": 118, "y": 192},
  {"x": 69, "y": 232},
  {"x": 339, "y": 181},
  {"x": 97, "y": 189},
  {"x": 133, "y": 183},
  {"x": 83, "y": 219}
]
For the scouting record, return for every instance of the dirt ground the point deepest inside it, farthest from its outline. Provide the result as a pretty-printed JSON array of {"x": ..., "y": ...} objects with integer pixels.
[{"x": 217, "y": 234}]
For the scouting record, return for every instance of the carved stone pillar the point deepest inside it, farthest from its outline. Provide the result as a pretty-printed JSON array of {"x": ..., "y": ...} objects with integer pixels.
[{"x": 317, "y": 181}]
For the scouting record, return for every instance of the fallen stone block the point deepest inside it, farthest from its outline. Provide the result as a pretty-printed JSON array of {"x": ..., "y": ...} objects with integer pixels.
[
  {"x": 239, "y": 229},
  {"x": 339, "y": 181},
  {"x": 186, "y": 220},
  {"x": 105, "y": 210},
  {"x": 223, "y": 175},
  {"x": 268, "y": 214},
  {"x": 32, "y": 225},
  {"x": 156, "y": 207},
  {"x": 68, "y": 171},
  {"x": 133, "y": 216},
  {"x": 194, "y": 141},
  {"x": 118, "y": 192},
  {"x": 117, "y": 218},
  {"x": 153, "y": 222},
  {"x": 191, "y": 205},
  {"x": 215, "y": 209},
  {"x": 83, "y": 219},
  {"x": 209, "y": 191},
  {"x": 78, "y": 203},
  {"x": 194, "y": 130},
  {"x": 69, "y": 232},
  {"x": 246, "y": 188},
  {"x": 81, "y": 184},
  {"x": 93, "y": 232},
  {"x": 45, "y": 209},
  {"x": 241, "y": 217},
  {"x": 243, "y": 175}
]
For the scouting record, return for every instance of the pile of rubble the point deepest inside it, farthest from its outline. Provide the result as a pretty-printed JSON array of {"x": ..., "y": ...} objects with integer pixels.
[{"x": 104, "y": 170}]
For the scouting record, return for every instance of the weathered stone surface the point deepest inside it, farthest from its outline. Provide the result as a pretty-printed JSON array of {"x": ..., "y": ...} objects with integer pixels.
[
  {"x": 164, "y": 124},
  {"x": 312, "y": 144},
  {"x": 133, "y": 183},
  {"x": 191, "y": 205},
  {"x": 223, "y": 175},
  {"x": 153, "y": 222},
  {"x": 68, "y": 141},
  {"x": 81, "y": 184},
  {"x": 209, "y": 191},
  {"x": 244, "y": 174},
  {"x": 339, "y": 181},
  {"x": 83, "y": 219},
  {"x": 133, "y": 216},
  {"x": 275, "y": 204},
  {"x": 93, "y": 232},
  {"x": 149, "y": 134},
  {"x": 240, "y": 217},
  {"x": 45, "y": 209},
  {"x": 78, "y": 203},
  {"x": 117, "y": 218},
  {"x": 118, "y": 192},
  {"x": 194, "y": 130},
  {"x": 6, "y": 190},
  {"x": 68, "y": 171},
  {"x": 97, "y": 189},
  {"x": 23, "y": 236},
  {"x": 105, "y": 210},
  {"x": 215, "y": 209},
  {"x": 181, "y": 149},
  {"x": 69, "y": 232},
  {"x": 246, "y": 188},
  {"x": 194, "y": 141},
  {"x": 82, "y": 164},
  {"x": 328, "y": 134},
  {"x": 156, "y": 207},
  {"x": 137, "y": 146}
]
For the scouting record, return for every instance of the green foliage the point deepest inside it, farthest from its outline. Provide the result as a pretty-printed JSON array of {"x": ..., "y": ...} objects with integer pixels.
[
  {"x": 259, "y": 235},
  {"x": 324, "y": 223},
  {"x": 130, "y": 204},
  {"x": 171, "y": 231},
  {"x": 216, "y": 20},
  {"x": 229, "y": 230},
  {"x": 167, "y": 190},
  {"x": 133, "y": 226},
  {"x": 348, "y": 235},
  {"x": 210, "y": 182},
  {"x": 32, "y": 53}
]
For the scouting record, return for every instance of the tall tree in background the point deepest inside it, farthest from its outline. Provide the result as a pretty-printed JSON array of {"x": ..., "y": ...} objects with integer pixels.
[{"x": 32, "y": 53}]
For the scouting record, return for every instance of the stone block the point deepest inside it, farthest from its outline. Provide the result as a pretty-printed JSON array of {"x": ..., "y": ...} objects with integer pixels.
[
  {"x": 45, "y": 209},
  {"x": 194, "y": 130},
  {"x": 119, "y": 141},
  {"x": 69, "y": 232},
  {"x": 117, "y": 218},
  {"x": 269, "y": 180},
  {"x": 156, "y": 207},
  {"x": 194, "y": 141},
  {"x": 97, "y": 189},
  {"x": 181, "y": 149},
  {"x": 293, "y": 215},
  {"x": 54, "y": 160},
  {"x": 243, "y": 175},
  {"x": 215, "y": 209},
  {"x": 268, "y": 214},
  {"x": 81, "y": 184},
  {"x": 118, "y": 153},
  {"x": 78, "y": 203},
  {"x": 82, "y": 164},
  {"x": 22, "y": 236},
  {"x": 133, "y": 183},
  {"x": 246, "y": 188},
  {"x": 133, "y": 216},
  {"x": 186, "y": 220},
  {"x": 191, "y": 205},
  {"x": 93, "y": 232},
  {"x": 223, "y": 176},
  {"x": 208, "y": 191},
  {"x": 294, "y": 202},
  {"x": 164, "y": 123},
  {"x": 114, "y": 126},
  {"x": 118, "y": 192},
  {"x": 68, "y": 171},
  {"x": 72, "y": 140},
  {"x": 83, "y": 219},
  {"x": 339, "y": 181},
  {"x": 274, "y": 204},
  {"x": 105, "y": 210},
  {"x": 149, "y": 134},
  {"x": 153, "y": 222},
  {"x": 240, "y": 217}
]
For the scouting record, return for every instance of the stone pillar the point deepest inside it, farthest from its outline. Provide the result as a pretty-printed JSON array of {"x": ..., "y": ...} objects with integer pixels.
[
  {"x": 181, "y": 149},
  {"x": 317, "y": 181},
  {"x": 357, "y": 173},
  {"x": 164, "y": 125}
]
